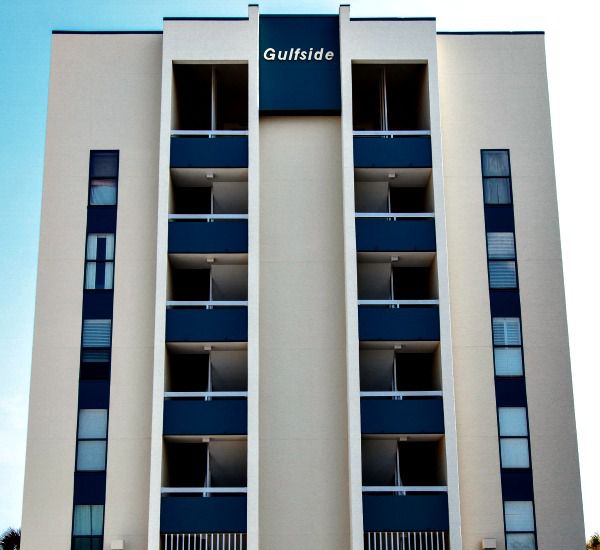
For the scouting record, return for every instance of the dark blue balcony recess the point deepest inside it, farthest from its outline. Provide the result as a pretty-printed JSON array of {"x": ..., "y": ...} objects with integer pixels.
[
  {"x": 220, "y": 324},
  {"x": 197, "y": 514},
  {"x": 385, "y": 324},
  {"x": 407, "y": 416},
  {"x": 397, "y": 152},
  {"x": 402, "y": 235},
  {"x": 227, "y": 236},
  {"x": 405, "y": 513},
  {"x": 205, "y": 152},
  {"x": 198, "y": 417}
]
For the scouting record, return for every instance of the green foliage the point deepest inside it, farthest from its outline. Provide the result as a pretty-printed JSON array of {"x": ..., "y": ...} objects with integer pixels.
[
  {"x": 11, "y": 539},
  {"x": 594, "y": 542}
]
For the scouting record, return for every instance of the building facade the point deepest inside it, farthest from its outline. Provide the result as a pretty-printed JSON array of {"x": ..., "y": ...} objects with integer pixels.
[{"x": 300, "y": 286}]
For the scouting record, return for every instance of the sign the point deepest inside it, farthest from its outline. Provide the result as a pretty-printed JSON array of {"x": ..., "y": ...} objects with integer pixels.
[{"x": 299, "y": 65}]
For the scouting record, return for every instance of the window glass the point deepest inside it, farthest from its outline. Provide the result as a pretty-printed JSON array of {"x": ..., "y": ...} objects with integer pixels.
[
  {"x": 99, "y": 275},
  {"x": 495, "y": 163},
  {"x": 501, "y": 246},
  {"x": 96, "y": 333},
  {"x": 506, "y": 331},
  {"x": 92, "y": 423},
  {"x": 496, "y": 191},
  {"x": 88, "y": 520},
  {"x": 95, "y": 355},
  {"x": 503, "y": 274},
  {"x": 508, "y": 362},
  {"x": 514, "y": 452},
  {"x": 103, "y": 192},
  {"x": 100, "y": 246},
  {"x": 518, "y": 515},
  {"x": 513, "y": 421},
  {"x": 91, "y": 455},
  {"x": 104, "y": 164},
  {"x": 520, "y": 541}
]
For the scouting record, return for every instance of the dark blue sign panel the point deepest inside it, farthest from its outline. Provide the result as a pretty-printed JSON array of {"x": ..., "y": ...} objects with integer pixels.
[{"x": 299, "y": 65}]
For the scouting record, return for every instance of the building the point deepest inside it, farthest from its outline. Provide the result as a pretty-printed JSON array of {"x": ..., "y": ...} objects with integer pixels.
[{"x": 300, "y": 286}]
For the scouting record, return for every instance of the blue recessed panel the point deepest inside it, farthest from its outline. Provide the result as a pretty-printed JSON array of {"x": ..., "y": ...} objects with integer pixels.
[
  {"x": 505, "y": 303},
  {"x": 196, "y": 417},
  {"x": 517, "y": 484},
  {"x": 399, "y": 152},
  {"x": 229, "y": 236},
  {"x": 299, "y": 65},
  {"x": 397, "y": 324},
  {"x": 226, "y": 324},
  {"x": 220, "y": 514},
  {"x": 405, "y": 513},
  {"x": 510, "y": 391},
  {"x": 90, "y": 488},
  {"x": 407, "y": 416},
  {"x": 402, "y": 235},
  {"x": 204, "y": 152}
]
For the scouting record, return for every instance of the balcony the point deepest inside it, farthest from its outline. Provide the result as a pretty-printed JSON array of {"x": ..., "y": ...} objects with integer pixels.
[
  {"x": 210, "y": 116},
  {"x": 395, "y": 320},
  {"x": 205, "y": 413},
  {"x": 383, "y": 232},
  {"x": 404, "y": 487},
  {"x": 401, "y": 413},
  {"x": 204, "y": 486},
  {"x": 207, "y": 322},
  {"x": 389, "y": 149}
]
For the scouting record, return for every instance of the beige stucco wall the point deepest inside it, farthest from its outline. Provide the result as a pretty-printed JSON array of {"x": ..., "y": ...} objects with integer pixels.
[
  {"x": 493, "y": 92},
  {"x": 113, "y": 108},
  {"x": 303, "y": 468}
]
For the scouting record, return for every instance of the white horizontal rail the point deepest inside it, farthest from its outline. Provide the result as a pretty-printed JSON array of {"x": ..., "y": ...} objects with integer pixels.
[
  {"x": 174, "y": 217},
  {"x": 204, "y": 394},
  {"x": 210, "y": 303},
  {"x": 394, "y": 215},
  {"x": 401, "y": 394},
  {"x": 405, "y": 540},
  {"x": 204, "y": 541},
  {"x": 391, "y": 133},
  {"x": 183, "y": 133},
  {"x": 404, "y": 489},
  {"x": 398, "y": 303},
  {"x": 202, "y": 490}
]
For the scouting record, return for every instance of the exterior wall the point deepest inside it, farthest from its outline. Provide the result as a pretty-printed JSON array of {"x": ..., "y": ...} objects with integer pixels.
[
  {"x": 494, "y": 94},
  {"x": 303, "y": 408},
  {"x": 400, "y": 41},
  {"x": 193, "y": 41},
  {"x": 93, "y": 109}
]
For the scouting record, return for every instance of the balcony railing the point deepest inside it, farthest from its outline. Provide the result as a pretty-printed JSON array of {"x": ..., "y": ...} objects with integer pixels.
[
  {"x": 207, "y": 217},
  {"x": 392, "y": 149},
  {"x": 398, "y": 303},
  {"x": 207, "y": 304},
  {"x": 405, "y": 540},
  {"x": 204, "y": 541},
  {"x": 204, "y": 491}
]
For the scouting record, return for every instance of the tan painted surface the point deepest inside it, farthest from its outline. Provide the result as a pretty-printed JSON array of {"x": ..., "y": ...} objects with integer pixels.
[
  {"x": 493, "y": 93},
  {"x": 302, "y": 405},
  {"x": 93, "y": 109}
]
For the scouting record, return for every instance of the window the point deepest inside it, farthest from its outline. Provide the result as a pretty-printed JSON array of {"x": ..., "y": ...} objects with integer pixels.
[
  {"x": 91, "y": 439},
  {"x": 506, "y": 331},
  {"x": 520, "y": 541},
  {"x": 495, "y": 166},
  {"x": 99, "y": 266},
  {"x": 95, "y": 340},
  {"x": 502, "y": 274},
  {"x": 514, "y": 446},
  {"x": 88, "y": 523},
  {"x": 104, "y": 169},
  {"x": 501, "y": 246},
  {"x": 508, "y": 362},
  {"x": 518, "y": 516}
]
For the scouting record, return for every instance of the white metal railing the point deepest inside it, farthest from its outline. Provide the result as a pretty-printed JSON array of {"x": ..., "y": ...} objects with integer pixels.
[
  {"x": 393, "y": 216},
  {"x": 391, "y": 133},
  {"x": 202, "y": 490},
  {"x": 209, "y": 133},
  {"x": 204, "y": 541},
  {"x": 206, "y": 395},
  {"x": 405, "y": 540},
  {"x": 401, "y": 394},
  {"x": 398, "y": 303},
  {"x": 405, "y": 489},
  {"x": 208, "y": 304},
  {"x": 207, "y": 217}
]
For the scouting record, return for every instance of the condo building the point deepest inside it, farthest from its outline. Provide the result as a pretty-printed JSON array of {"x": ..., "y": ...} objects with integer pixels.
[{"x": 300, "y": 287}]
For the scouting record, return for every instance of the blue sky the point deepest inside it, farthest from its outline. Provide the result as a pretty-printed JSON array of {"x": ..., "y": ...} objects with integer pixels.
[{"x": 25, "y": 27}]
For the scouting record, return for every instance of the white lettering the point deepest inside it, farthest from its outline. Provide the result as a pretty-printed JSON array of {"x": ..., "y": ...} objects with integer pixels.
[{"x": 298, "y": 54}]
